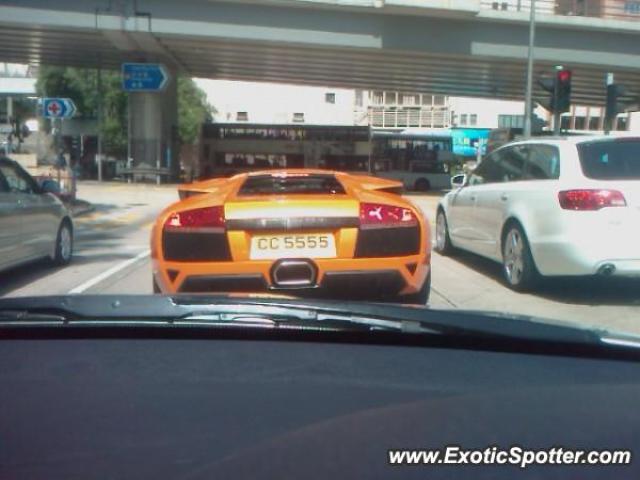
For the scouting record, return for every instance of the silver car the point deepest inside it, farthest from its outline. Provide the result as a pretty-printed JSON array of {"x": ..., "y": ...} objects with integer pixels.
[
  {"x": 567, "y": 206},
  {"x": 34, "y": 224}
]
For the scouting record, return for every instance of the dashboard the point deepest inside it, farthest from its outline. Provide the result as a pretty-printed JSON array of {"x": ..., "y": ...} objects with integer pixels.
[{"x": 188, "y": 408}]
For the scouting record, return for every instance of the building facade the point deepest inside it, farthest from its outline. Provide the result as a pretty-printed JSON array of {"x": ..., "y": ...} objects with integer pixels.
[
  {"x": 400, "y": 110},
  {"x": 275, "y": 104}
]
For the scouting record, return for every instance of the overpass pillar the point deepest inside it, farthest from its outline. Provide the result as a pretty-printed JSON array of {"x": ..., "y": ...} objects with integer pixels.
[{"x": 153, "y": 132}]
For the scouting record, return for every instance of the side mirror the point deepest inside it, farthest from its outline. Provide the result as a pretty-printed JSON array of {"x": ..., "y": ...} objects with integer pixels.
[
  {"x": 458, "y": 181},
  {"x": 50, "y": 186}
]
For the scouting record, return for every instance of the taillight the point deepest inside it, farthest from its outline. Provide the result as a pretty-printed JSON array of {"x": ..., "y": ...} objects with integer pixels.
[
  {"x": 198, "y": 218},
  {"x": 590, "y": 199},
  {"x": 373, "y": 214}
]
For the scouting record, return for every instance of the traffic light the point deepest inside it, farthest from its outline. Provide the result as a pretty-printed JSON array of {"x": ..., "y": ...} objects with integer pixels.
[
  {"x": 563, "y": 91},
  {"x": 613, "y": 105},
  {"x": 619, "y": 100},
  {"x": 75, "y": 147},
  {"x": 559, "y": 88}
]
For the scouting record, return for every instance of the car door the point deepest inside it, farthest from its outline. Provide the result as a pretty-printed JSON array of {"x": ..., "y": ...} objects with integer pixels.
[
  {"x": 35, "y": 214},
  {"x": 12, "y": 249},
  {"x": 459, "y": 211},
  {"x": 492, "y": 199},
  {"x": 461, "y": 214}
]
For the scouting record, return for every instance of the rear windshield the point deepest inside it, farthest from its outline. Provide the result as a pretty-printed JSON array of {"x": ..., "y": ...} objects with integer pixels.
[
  {"x": 287, "y": 184},
  {"x": 611, "y": 160}
]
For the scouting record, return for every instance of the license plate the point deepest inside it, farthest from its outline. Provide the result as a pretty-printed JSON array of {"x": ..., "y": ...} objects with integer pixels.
[{"x": 312, "y": 245}]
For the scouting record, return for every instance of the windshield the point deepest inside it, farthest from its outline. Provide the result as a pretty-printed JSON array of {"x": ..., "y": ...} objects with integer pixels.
[
  {"x": 308, "y": 151},
  {"x": 611, "y": 160}
]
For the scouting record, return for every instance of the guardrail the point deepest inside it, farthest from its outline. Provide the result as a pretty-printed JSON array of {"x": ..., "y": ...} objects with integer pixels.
[{"x": 613, "y": 9}]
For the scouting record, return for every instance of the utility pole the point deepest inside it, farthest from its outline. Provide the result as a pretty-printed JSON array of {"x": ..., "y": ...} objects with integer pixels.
[
  {"x": 528, "y": 107},
  {"x": 99, "y": 97},
  {"x": 129, "y": 160}
]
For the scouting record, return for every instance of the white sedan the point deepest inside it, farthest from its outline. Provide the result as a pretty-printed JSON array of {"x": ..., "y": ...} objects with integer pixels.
[{"x": 568, "y": 206}]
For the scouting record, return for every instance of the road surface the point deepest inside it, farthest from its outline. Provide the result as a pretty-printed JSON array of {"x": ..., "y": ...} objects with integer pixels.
[{"x": 112, "y": 257}]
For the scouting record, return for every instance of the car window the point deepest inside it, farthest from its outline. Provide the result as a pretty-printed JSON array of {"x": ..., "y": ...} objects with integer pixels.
[
  {"x": 611, "y": 160},
  {"x": 4, "y": 187},
  {"x": 17, "y": 180},
  {"x": 296, "y": 183},
  {"x": 543, "y": 163},
  {"x": 504, "y": 165},
  {"x": 485, "y": 172},
  {"x": 511, "y": 163}
]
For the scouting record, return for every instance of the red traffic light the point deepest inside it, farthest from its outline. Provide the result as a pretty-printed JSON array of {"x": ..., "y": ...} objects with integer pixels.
[{"x": 564, "y": 76}]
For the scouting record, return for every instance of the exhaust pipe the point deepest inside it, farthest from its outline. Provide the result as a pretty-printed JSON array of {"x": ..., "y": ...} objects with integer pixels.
[
  {"x": 294, "y": 273},
  {"x": 607, "y": 270}
]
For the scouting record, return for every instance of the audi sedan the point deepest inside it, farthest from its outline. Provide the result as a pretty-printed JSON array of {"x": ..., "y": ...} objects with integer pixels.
[{"x": 549, "y": 207}]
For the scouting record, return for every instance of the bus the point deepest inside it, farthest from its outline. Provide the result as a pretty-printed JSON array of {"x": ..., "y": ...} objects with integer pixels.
[
  {"x": 227, "y": 149},
  {"x": 419, "y": 159}
]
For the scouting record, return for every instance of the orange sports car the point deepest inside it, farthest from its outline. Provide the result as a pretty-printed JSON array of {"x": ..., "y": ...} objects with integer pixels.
[{"x": 301, "y": 232}]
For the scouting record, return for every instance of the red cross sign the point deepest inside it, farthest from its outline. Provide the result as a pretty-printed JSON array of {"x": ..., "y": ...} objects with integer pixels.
[{"x": 54, "y": 109}]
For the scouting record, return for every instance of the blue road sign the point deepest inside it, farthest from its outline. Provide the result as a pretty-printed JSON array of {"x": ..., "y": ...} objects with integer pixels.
[
  {"x": 58, "y": 108},
  {"x": 144, "y": 77}
]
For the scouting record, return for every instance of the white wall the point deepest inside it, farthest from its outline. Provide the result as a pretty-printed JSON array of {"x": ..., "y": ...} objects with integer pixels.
[
  {"x": 487, "y": 110},
  {"x": 276, "y": 103},
  {"x": 634, "y": 122}
]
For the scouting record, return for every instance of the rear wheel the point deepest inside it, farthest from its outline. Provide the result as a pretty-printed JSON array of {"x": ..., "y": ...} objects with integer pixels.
[
  {"x": 422, "y": 185},
  {"x": 64, "y": 244},
  {"x": 443, "y": 240},
  {"x": 421, "y": 297},
  {"x": 518, "y": 268}
]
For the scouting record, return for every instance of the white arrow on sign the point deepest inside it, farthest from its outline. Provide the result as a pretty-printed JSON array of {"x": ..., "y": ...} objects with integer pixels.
[{"x": 70, "y": 107}]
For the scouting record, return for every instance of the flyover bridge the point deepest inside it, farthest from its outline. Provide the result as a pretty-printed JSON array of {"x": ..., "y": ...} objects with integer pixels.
[{"x": 453, "y": 47}]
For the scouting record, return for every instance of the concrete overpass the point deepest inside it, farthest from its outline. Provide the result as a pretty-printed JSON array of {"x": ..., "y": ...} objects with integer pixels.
[{"x": 453, "y": 47}]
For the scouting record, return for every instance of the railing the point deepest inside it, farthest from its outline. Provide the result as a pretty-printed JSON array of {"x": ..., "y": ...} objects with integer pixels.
[
  {"x": 409, "y": 118},
  {"x": 613, "y": 9}
]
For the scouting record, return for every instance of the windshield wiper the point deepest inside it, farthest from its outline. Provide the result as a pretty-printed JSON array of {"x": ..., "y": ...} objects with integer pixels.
[
  {"x": 26, "y": 318},
  {"x": 303, "y": 319},
  {"x": 227, "y": 315},
  {"x": 286, "y": 313}
]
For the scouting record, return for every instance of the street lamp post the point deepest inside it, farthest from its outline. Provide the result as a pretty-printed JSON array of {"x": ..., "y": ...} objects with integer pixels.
[{"x": 528, "y": 110}]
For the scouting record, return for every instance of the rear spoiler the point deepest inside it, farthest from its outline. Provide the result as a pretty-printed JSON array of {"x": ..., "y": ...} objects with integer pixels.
[
  {"x": 187, "y": 190},
  {"x": 368, "y": 182}
]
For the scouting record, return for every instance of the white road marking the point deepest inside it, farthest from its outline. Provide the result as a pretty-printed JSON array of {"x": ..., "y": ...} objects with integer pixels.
[{"x": 107, "y": 273}]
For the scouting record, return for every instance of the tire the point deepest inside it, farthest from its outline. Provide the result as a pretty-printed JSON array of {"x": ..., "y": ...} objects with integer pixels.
[
  {"x": 518, "y": 268},
  {"x": 64, "y": 244},
  {"x": 443, "y": 240},
  {"x": 156, "y": 287},
  {"x": 422, "y": 185},
  {"x": 421, "y": 297}
]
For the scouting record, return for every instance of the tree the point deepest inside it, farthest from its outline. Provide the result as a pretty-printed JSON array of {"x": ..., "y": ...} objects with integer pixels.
[
  {"x": 193, "y": 110},
  {"x": 81, "y": 86}
]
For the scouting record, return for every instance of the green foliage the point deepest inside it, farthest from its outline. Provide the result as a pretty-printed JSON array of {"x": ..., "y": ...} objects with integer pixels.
[
  {"x": 81, "y": 86},
  {"x": 193, "y": 110}
]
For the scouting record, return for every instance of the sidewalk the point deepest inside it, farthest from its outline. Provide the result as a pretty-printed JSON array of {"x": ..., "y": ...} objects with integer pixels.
[{"x": 116, "y": 184}]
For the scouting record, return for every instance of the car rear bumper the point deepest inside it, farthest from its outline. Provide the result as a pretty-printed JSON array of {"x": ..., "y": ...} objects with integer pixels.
[
  {"x": 337, "y": 278},
  {"x": 568, "y": 258}
]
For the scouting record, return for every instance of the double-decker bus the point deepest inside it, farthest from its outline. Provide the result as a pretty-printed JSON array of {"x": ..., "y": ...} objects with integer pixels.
[
  {"x": 420, "y": 159},
  {"x": 227, "y": 149}
]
